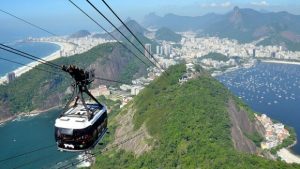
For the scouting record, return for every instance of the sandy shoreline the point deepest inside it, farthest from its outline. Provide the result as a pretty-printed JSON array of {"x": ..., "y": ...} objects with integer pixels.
[
  {"x": 287, "y": 156},
  {"x": 64, "y": 46},
  {"x": 281, "y": 62}
]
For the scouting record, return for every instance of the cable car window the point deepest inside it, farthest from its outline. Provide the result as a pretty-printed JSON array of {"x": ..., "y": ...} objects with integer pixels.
[{"x": 66, "y": 131}]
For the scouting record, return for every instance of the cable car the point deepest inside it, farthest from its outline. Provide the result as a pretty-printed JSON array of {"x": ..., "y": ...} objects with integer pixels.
[{"x": 81, "y": 126}]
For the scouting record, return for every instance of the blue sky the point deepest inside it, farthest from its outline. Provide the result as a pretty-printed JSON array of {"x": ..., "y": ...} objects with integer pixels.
[{"x": 60, "y": 17}]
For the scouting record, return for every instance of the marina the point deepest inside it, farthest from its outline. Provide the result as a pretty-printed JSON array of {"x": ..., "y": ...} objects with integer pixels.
[{"x": 271, "y": 89}]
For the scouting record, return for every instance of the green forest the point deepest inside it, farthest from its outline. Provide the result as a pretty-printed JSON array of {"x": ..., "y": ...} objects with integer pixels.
[
  {"x": 36, "y": 89},
  {"x": 215, "y": 56},
  {"x": 190, "y": 127}
]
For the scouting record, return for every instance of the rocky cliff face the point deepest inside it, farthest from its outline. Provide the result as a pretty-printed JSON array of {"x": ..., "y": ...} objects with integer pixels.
[
  {"x": 242, "y": 127},
  {"x": 116, "y": 64},
  {"x": 4, "y": 111}
]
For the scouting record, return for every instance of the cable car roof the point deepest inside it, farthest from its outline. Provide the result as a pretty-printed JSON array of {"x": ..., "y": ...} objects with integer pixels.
[{"x": 77, "y": 118}]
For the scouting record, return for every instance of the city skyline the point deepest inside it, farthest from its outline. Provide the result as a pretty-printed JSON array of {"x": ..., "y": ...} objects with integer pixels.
[{"x": 62, "y": 18}]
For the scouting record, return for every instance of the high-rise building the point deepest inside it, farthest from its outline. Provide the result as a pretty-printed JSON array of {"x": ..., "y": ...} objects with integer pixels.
[
  {"x": 167, "y": 49},
  {"x": 273, "y": 54},
  {"x": 158, "y": 50},
  {"x": 254, "y": 53},
  {"x": 11, "y": 77},
  {"x": 148, "y": 50},
  {"x": 161, "y": 50}
]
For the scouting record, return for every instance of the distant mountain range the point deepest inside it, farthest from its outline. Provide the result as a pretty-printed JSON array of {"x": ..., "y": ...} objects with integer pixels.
[
  {"x": 245, "y": 25},
  {"x": 139, "y": 31},
  {"x": 136, "y": 28},
  {"x": 80, "y": 34},
  {"x": 160, "y": 34}
]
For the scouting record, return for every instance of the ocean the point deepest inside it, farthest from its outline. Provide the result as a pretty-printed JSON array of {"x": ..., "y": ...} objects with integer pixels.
[
  {"x": 272, "y": 89},
  {"x": 35, "y": 48},
  {"x": 32, "y": 133}
]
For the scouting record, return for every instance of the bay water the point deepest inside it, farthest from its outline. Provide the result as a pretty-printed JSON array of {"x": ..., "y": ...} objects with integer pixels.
[
  {"x": 37, "y": 49},
  {"x": 27, "y": 134},
  {"x": 272, "y": 89}
]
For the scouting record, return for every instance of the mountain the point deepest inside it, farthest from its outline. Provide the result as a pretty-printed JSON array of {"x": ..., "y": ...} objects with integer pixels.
[
  {"x": 198, "y": 124},
  {"x": 215, "y": 56},
  {"x": 138, "y": 31},
  {"x": 136, "y": 28},
  {"x": 247, "y": 25},
  {"x": 167, "y": 35},
  {"x": 244, "y": 25},
  {"x": 179, "y": 23},
  {"x": 41, "y": 90},
  {"x": 80, "y": 34}
]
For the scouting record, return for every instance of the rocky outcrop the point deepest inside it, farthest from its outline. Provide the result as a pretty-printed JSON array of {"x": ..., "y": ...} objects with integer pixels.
[
  {"x": 242, "y": 128},
  {"x": 137, "y": 138},
  {"x": 115, "y": 64},
  {"x": 110, "y": 66},
  {"x": 4, "y": 111}
]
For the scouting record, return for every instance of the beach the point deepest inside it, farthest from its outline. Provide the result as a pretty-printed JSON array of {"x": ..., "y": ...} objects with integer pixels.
[
  {"x": 287, "y": 156},
  {"x": 281, "y": 62},
  {"x": 64, "y": 46}
]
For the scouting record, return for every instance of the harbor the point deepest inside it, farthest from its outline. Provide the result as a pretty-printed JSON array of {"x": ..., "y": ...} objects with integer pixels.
[{"x": 270, "y": 89}]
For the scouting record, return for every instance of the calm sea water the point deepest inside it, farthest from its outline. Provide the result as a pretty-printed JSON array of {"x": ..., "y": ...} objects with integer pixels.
[
  {"x": 272, "y": 89},
  {"x": 31, "y": 133},
  {"x": 37, "y": 49}
]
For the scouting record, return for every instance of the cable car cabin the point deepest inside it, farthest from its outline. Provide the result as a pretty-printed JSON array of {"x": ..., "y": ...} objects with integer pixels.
[{"x": 75, "y": 131}]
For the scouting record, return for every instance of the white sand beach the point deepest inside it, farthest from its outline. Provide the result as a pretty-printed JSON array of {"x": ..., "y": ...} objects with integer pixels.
[
  {"x": 281, "y": 62},
  {"x": 287, "y": 156},
  {"x": 64, "y": 46}
]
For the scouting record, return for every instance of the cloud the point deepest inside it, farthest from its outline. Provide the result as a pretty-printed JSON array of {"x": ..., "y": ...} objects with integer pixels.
[
  {"x": 215, "y": 5},
  {"x": 261, "y": 3},
  {"x": 226, "y": 4}
]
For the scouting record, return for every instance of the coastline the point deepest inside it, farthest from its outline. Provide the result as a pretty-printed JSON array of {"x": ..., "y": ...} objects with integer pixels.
[
  {"x": 281, "y": 62},
  {"x": 28, "y": 114},
  {"x": 64, "y": 46},
  {"x": 286, "y": 155},
  {"x": 5, "y": 120}
]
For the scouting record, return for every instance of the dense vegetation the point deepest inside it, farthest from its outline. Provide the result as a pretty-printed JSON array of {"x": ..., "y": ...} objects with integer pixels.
[
  {"x": 190, "y": 127},
  {"x": 37, "y": 89},
  {"x": 215, "y": 56},
  {"x": 167, "y": 35},
  {"x": 277, "y": 40}
]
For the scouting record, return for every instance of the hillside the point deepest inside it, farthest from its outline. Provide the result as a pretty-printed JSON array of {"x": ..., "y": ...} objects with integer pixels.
[
  {"x": 138, "y": 31},
  {"x": 198, "y": 124},
  {"x": 41, "y": 90},
  {"x": 136, "y": 28},
  {"x": 167, "y": 35},
  {"x": 244, "y": 25},
  {"x": 80, "y": 34},
  {"x": 215, "y": 56}
]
